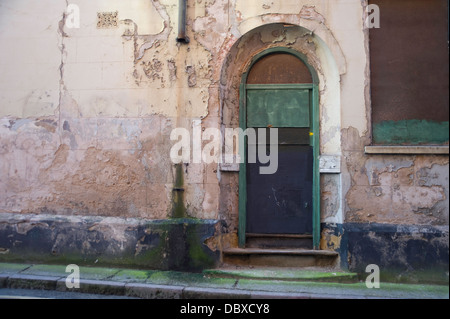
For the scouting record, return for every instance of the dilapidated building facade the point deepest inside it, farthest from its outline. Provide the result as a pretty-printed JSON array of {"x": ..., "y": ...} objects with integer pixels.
[{"x": 92, "y": 91}]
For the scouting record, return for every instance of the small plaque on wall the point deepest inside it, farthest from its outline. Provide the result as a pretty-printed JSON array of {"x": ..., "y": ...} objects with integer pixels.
[
  {"x": 230, "y": 164},
  {"x": 330, "y": 164}
]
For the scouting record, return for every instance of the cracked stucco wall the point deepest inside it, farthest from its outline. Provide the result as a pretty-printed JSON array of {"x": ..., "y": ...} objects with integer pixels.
[
  {"x": 389, "y": 189},
  {"x": 86, "y": 113}
]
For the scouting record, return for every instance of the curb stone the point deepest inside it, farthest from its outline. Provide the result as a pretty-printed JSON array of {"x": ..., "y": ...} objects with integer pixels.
[
  {"x": 148, "y": 291},
  {"x": 3, "y": 281},
  {"x": 95, "y": 287},
  {"x": 208, "y": 293},
  {"x": 20, "y": 281},
  {"x": 185, "y": 287},
  {"x": 145, "y": 291}
]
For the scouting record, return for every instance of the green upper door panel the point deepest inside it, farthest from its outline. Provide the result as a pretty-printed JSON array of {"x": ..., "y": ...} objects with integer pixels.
[{"x": 278, "y": 108}]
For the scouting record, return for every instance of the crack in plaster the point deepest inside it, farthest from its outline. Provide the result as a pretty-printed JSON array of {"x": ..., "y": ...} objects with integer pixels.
[{"x": 62, "y": 48}]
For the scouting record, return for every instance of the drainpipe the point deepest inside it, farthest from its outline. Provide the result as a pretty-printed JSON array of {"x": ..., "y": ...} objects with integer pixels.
[
  {"x": 178, "y": 209},
  {"x": 182, "y": 7}
]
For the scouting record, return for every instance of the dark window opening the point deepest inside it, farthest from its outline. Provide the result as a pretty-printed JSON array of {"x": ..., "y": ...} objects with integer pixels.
[{"x": 410, "y": 73}]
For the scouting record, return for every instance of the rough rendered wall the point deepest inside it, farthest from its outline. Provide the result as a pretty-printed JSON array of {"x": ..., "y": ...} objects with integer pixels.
[
  {"x": 396, "y": 189},
  {"x": 385, "y": 188},
  {"x": 86, "y": 113}
]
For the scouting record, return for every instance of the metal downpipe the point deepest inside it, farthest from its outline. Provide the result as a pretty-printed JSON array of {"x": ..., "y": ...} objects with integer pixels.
[{"x": 182, "y": 8}]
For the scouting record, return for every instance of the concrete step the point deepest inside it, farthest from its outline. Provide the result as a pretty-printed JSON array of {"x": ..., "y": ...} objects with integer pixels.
[
  {"x": 279, "y": 241},
  {"x": 280, "y": 257},
  {"x": 283, "y": 274}
]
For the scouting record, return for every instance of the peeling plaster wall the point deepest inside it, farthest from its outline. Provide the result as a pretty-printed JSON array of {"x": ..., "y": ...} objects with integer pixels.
[
  {"x": 86, "y": 113},
  {"x": 397, "y": 189},
  {"x": 29, "y": 85},
  {"x": 386, "y": 189}
]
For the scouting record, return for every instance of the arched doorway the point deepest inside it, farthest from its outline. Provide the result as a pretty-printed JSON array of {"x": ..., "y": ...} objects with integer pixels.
[{"x": 280, "y": 91}]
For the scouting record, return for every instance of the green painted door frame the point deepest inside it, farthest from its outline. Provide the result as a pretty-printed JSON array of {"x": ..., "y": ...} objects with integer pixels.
[{"x": 314, "y": 142}]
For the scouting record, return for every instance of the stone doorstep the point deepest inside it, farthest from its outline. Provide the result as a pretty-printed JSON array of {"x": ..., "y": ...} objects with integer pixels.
[
  {"x": 295, "y": 252},
  {"x": 284, "y": 274},
  {"x": 278, "y": 241},
  {"x": 292, "y": 258}
]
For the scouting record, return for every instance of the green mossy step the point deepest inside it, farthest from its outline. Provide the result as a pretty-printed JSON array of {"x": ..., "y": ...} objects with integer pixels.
[
  {"x": 289, "y": 258},
  {"x": 283, "y": 274}
]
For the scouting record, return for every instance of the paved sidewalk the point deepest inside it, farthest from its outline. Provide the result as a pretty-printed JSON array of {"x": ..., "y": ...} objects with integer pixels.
[{"x": 177, "y": 285}]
